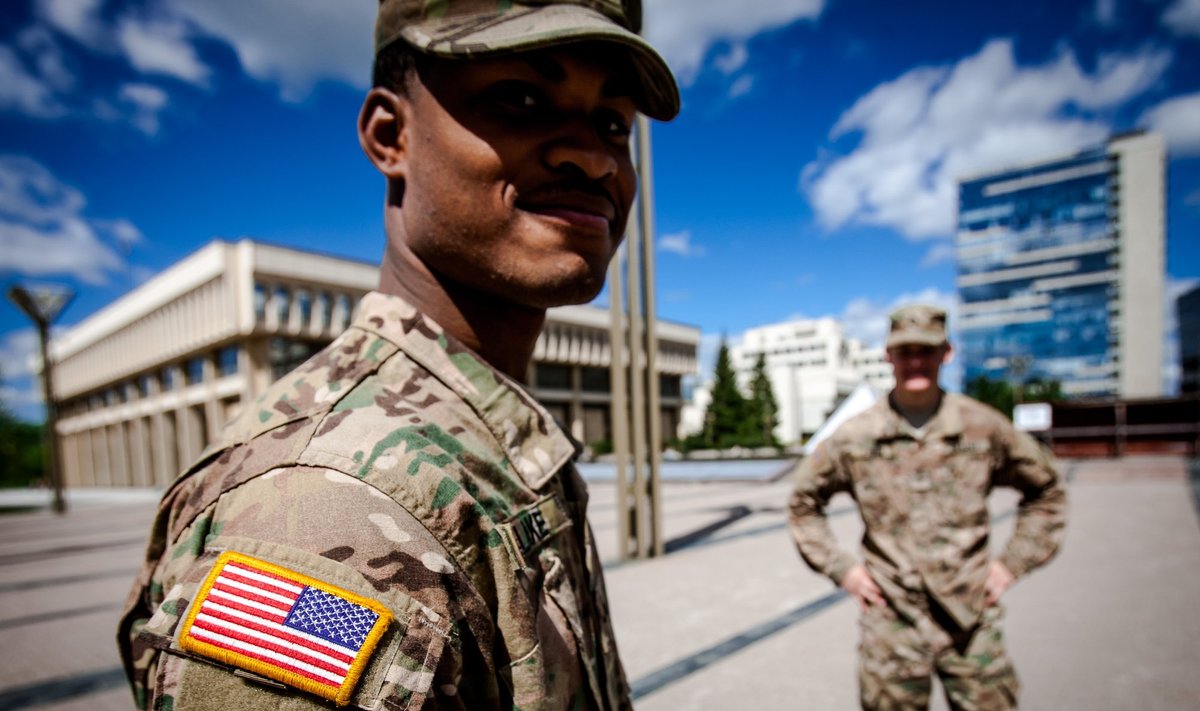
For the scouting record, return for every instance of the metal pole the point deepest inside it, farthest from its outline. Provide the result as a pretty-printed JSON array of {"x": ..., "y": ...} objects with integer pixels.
[
  {"x": 653, "y": 403},
  {"x": 619, "y": 413},
  {"x": 637, "y": 388},
  {"x": 50, "y": 436}
]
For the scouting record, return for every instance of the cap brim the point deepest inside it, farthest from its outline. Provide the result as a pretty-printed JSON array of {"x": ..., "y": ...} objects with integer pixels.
[
  {"x": 914, "y": 339},
  {"x": 523, "y": 28}
]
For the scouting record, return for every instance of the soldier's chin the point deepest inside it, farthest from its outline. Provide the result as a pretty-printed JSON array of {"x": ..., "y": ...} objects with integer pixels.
[{"x": 917, "y": 384}]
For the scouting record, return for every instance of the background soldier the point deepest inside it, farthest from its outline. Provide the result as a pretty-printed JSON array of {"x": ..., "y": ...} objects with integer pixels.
[
  {"x": 920, "y": 464},
  {"x": 397, "y": 524}
]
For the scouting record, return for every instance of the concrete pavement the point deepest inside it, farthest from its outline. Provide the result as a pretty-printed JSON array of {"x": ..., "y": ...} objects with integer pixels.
[{"x": 730, "y": 619}]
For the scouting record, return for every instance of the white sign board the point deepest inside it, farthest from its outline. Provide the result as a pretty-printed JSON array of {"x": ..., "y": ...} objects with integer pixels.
[{"x": 1032, "y": 416}]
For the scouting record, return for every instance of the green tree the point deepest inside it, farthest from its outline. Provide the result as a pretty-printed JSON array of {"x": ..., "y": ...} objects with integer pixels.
[
  {"x": 725, "y": 421},
  {"x": 997, "y": 393},
  {"x": 21, "y": 451},
  {"x": 762, "y": 407},
  {"x": 1038, "y": 390}
]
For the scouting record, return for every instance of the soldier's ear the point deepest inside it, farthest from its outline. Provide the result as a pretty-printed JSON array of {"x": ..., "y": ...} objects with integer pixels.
[
  {"x": 382, "y": 131},
  {"x": 948, "y": 354}
]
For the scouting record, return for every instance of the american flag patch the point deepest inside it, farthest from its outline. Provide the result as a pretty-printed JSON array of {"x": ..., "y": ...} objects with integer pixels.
[{"x": 283, "y": 625}]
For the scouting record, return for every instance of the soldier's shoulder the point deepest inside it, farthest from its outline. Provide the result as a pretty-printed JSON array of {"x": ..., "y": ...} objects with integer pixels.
[
  {"x": 978, "y": 414},
  {"x": 863, "y": 427},
  {"x": 313, "y": 388}
]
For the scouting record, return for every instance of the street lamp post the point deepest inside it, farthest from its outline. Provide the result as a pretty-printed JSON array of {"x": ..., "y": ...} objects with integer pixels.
[{"x": 43, "y": 303}]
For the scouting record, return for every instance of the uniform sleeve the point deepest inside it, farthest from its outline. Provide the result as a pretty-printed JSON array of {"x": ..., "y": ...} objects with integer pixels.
[
  {"x": 333, "y": 529},
  {"x": 818, "y": 477},
  {"x": 1041, "y": 515}
]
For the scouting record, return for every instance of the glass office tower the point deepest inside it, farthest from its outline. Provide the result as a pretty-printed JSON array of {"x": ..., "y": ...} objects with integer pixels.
[{"x": 1060, "y": 271}]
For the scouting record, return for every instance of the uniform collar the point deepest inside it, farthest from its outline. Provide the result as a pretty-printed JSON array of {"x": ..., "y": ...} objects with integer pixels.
[
  {"x": 534, "y": 443},
  {"x": 946, "y": 423}
]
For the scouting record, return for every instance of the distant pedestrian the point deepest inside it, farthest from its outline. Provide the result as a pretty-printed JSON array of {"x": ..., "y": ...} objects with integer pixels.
[{"x": 921, "y": 464}]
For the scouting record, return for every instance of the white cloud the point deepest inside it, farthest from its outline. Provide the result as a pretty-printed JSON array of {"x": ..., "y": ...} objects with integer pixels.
[
  {"x": 23, "y": 92},
  {"x": 734, "y": 60},
  {"x": 146, "y": 101},
  {"x": 1178, "y": 120},
  {"x": 680, "y": 243},
  {"x": 78, "y": 19},
  {"x": 939, "y": 253},
  {"x": 922, "y": 131},
  {"x": 1105, "y": 12},
  {"x": 741, "y": 86},
  {"x": 293, "y": 43},
  {"x": 43, "y": 230},
  {"x": 1183, "y": 17},
  {"x": 160, "y": 47},
  {"x": 47, "y": 56},
  {"x": 684, "y": 30},
  {"x": 20, "y": 366},
  {"x": 18, "y": 351}
]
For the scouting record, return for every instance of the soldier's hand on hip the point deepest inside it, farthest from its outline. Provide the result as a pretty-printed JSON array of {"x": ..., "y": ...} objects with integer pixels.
[
  {"x": 999, "y": 579},
  {"x": 859, "y": 583}
]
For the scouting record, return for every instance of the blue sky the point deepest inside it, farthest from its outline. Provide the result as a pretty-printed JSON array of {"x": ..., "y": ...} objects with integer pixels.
[{"x": 811, "y": 172}]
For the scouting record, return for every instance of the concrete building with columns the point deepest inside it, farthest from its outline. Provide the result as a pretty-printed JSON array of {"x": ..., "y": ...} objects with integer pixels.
[{"x": 145, "y": 383}]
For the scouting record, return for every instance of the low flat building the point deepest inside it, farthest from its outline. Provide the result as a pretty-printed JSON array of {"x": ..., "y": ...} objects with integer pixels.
[{"x": 145, "y": 383}]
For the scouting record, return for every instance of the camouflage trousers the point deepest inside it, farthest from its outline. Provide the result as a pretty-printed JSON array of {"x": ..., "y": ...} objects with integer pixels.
[{"x": 899, "y": 653}]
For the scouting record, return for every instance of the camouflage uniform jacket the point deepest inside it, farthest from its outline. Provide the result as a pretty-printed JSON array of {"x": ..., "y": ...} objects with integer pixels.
[
  {"x": 923, "y": 500},
  {"x": 396, "y": 465}
]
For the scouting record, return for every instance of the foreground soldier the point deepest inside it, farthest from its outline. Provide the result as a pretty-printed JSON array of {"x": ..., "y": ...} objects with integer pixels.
[
  {"x": 921, "y": 464},
  {"x": 397, "y": 524}
]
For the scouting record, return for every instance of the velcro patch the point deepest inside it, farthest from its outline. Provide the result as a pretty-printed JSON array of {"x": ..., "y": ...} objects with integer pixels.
[{"x": 283, "y": 625}]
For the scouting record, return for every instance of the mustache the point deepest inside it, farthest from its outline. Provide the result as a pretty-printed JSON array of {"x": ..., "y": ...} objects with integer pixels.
[{"x": 571, "y": 186}]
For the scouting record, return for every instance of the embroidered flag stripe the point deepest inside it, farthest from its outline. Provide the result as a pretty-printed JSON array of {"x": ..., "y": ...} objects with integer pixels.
[
  {"x": 282, "y": 660},
  {"x": 269, "y": 641},
  {"x": 212, "y": 611},
  {"x": 284, "y": 625}
]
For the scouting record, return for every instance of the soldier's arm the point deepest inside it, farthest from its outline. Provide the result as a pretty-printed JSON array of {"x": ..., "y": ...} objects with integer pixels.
[
  {"x": 818, "y": 477},
  {"x": 1027, "y": 467},
  {"x": 332, "y": 529}
]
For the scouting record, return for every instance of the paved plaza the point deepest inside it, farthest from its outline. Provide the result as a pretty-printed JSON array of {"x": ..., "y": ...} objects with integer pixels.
[{"x": 729, "y": 619}]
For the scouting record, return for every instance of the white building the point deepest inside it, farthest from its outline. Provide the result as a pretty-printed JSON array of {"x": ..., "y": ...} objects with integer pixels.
[
  {"x": 146, "y": 382},
  {"x": 813, "y": 366}
]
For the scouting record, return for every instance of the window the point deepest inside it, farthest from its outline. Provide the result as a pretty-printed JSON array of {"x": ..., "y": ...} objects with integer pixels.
[
  {"x": 324, "y": 310},
  {"x": 596, "y": 380},
  {"x": 227, "y": 361},
  {"x": 304, "y": 301},
  {"x": 552, "y": 377},
  {"x": 286, "y": 355},
  {"x": 144, "y": 387},
  {"x": 194, "y": 371},
  {"x": 669, "y": 385},
  {"x": 283, "y": 303},
  {"x": 260, "y": 302},
  {"x": 343, "y": 309}
]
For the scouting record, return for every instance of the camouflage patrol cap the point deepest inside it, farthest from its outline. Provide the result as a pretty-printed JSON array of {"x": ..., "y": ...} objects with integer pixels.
[
  {"x": 483, "y": 28},
  {"x": 918, "y": 325}
]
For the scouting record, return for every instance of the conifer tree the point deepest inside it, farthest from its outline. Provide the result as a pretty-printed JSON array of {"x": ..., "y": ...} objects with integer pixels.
[
  {"x": 725, "y": 419},
  {"x": 762, "y": 407}
]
